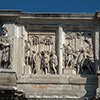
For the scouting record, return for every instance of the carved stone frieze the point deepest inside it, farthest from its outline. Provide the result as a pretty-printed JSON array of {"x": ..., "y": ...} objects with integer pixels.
[
  {"x": 78, "y": 52},
  {"x": 40, "y": 55}
]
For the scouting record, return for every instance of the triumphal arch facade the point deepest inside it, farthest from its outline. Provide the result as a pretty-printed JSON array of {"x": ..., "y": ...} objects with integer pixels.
[{"x": 53, "y": 55}]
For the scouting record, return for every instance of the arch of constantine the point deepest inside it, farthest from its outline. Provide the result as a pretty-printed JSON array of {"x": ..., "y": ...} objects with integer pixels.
[{"x": 52, "y": 55}]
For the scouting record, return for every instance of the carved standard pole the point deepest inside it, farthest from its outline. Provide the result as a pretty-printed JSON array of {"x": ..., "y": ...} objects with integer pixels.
[{"x": 59, "y": 49}]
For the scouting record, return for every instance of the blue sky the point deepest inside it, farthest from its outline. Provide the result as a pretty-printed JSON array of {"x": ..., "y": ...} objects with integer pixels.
[{"x": 62, "y": 6}]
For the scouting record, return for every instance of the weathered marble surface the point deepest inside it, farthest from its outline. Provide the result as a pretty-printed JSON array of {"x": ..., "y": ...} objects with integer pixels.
[
  {"x": 8, "y": 78},
  {"x": 54, "y": 55},
  {"x": 56, "y": 86}
]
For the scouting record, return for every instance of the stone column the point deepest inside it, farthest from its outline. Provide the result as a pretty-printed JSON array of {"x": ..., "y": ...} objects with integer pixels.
[{"x": 60, "y": 41}]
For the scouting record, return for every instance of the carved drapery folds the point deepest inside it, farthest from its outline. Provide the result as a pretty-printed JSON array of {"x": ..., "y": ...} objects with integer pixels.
[
  {"x": 78, "y": 52},
  {"x": 4, "y": 49}
]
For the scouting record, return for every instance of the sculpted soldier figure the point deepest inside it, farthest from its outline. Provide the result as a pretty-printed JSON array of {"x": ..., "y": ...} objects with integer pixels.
[
  {"x": 89, "y": 59},
  {"x": 4, "y": 49},
  {"x": 28, "y": 56},
  {"x": 84, "y": 61},
  {"x": 80, "y": 61},
  {"x": 27, "y": 52},
  {"x": 53, "y": 62},
  {"x": 36, "y": 63},
  {"x": 89, "y": 50},
  {"x": 44, "y": 62},
  {"x": 68, "y": 55},
  {"x": 32, "y": 62},
  {"x": 37, "y": 60}
]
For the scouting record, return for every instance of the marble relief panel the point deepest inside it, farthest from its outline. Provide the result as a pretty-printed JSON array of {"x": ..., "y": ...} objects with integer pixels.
[
  {"x": 40, "y": 55},
  {"x": 78, "y": 52}
]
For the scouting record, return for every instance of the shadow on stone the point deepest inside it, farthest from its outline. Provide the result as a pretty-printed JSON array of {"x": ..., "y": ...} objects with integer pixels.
[{"x": 90, "y": 86}]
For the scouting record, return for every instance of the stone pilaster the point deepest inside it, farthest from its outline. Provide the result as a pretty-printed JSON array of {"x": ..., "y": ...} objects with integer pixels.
[
  {"x": 97, "y": 48},
  {"x": 97, "y": 54},
  {"x": 15, "y": 53}
]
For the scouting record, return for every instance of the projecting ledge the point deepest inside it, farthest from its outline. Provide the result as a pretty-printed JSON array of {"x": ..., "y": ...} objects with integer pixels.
[
  {"x": 7, "y": 77},
  {"x": 58, "y": 79}
]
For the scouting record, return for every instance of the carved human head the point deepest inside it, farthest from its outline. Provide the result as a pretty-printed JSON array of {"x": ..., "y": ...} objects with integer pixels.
[{"x": 4, "y": 30}]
